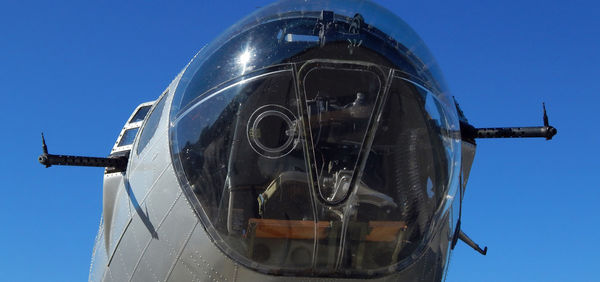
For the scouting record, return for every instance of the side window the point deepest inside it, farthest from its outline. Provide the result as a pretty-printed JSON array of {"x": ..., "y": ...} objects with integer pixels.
[
  {"x": 128, "y": 137},
  {"x": 141, "y": 114},
  {"x": 131, "y": 128},
  {"x": 151, "y": 124}
]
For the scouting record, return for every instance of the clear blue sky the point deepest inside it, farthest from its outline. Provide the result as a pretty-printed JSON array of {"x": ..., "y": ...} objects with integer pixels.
[{"x": 77, "y": 69}]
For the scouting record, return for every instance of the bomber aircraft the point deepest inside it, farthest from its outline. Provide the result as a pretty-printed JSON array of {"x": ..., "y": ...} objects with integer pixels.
[{"x": 313, "y": 140}]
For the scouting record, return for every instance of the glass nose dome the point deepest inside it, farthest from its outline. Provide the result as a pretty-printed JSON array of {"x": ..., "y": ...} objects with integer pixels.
[{"x": 315, "y": 138}]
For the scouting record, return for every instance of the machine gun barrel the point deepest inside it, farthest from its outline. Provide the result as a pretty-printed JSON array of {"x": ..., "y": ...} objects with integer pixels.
[
  {"x": 118, "y": 163},
  {"x": 546, "y": 131},
  {"x": 516, "y": 132},
  {"x": 50, "y": 160}
]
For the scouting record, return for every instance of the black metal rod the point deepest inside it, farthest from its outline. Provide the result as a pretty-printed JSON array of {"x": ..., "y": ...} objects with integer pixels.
[
  {"x": 48, "y": 160},
  {"x": 118, "y": 163},
  {"x": 469, "y": 133},
  {"x": 516, "y": 132}
]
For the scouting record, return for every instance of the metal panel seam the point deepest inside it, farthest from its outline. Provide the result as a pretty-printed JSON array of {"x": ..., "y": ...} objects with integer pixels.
[
  {"x": 150, "y": 241},
  {"x": 188, "y": 237},
  {"x": 153, "y": 185},
  {"x": 131, "y": 214},
  {"x": 119, "y": 241}
]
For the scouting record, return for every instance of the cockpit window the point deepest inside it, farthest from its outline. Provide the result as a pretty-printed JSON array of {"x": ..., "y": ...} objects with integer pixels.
[
  {"x": 128, "y": 137},
  {"x": 141, "y": 114}
]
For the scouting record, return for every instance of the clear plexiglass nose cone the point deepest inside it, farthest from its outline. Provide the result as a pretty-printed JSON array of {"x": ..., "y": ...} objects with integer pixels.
[{"x": 316, "y": 138}]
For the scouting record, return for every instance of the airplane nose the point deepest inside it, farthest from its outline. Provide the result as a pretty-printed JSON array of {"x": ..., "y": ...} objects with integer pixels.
[
  {"x": 313, "y": 142},
  {"x": 355, "y": 160}
]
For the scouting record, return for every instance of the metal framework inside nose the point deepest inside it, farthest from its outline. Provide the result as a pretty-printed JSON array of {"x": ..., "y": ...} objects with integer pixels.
[{"x": 340, "y": 114}]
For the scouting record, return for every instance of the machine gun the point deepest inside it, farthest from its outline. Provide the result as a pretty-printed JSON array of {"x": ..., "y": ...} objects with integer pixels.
[{"x": 113, "y": 163}]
